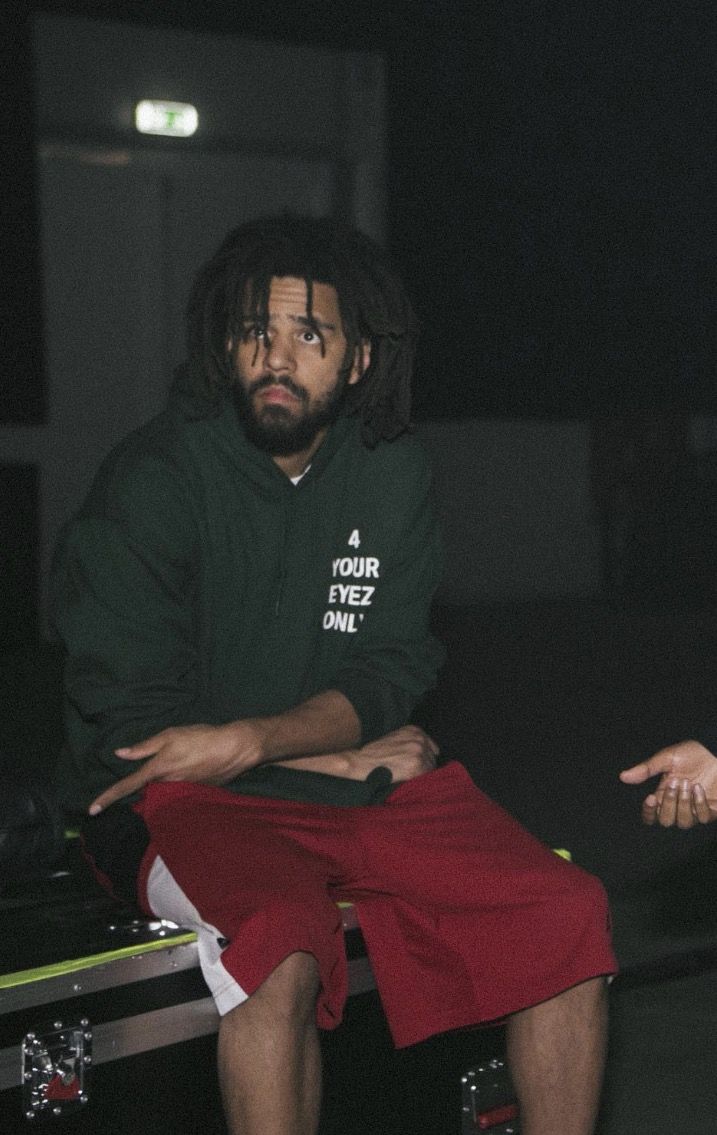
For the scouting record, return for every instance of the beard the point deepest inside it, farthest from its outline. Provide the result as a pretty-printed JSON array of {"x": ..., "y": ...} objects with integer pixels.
[{"x": 278, "y": 430}]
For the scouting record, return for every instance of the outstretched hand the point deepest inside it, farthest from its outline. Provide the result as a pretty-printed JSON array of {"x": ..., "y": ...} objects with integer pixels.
[
  {"x": 212, "y": 754},
  {"x": 687, "y": 792}
]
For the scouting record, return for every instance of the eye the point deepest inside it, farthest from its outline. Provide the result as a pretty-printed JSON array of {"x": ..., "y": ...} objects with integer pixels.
[
  {"x": 254, "y": 333},
  {"x": 309, "y": 336}
]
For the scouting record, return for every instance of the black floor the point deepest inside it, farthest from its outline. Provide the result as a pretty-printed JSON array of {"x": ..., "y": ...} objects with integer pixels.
[{"x": 661, "y": 1069}]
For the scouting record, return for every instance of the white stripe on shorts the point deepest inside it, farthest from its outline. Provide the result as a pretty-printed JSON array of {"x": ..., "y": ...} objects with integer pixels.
[{"x": 167, "y": 900}]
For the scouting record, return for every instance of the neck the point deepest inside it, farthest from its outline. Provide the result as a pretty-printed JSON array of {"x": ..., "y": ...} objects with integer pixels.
[{"x": 294, "y": 464}]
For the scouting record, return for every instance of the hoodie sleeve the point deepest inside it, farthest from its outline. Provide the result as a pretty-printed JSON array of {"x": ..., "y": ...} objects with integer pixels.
[
  {"x": 120, "y": 580},
  {"x": 396, "y": 657}
]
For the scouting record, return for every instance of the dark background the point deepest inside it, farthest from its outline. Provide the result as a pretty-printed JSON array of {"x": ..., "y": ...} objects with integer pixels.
[
  {"x": 551, "y": 190},
  {"x": 552, "y": 186}
]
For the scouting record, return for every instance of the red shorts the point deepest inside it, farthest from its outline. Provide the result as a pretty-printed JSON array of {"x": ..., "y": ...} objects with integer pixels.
[{"x": 466, "y": 917}]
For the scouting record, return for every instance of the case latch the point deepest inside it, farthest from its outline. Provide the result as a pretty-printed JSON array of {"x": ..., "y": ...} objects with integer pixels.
[
  {"x": 489, "y": 1100},
  {"x": 56, "y": 1062}
]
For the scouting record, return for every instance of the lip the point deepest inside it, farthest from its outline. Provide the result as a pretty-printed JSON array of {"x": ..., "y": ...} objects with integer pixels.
[{"x": 277, "y": 395}]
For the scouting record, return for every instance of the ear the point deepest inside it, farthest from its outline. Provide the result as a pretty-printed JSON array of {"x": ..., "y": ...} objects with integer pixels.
[{"x": 362, "y": 359}]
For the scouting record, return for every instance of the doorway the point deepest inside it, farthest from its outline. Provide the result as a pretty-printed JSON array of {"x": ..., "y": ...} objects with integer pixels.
[{"x": 126, "y": 220}]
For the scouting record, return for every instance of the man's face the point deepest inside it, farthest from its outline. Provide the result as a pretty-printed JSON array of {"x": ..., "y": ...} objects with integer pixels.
[{"x": 291, "y": 375}]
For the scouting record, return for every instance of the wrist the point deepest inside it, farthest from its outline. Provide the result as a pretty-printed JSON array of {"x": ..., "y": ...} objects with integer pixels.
[
  {"x": 333, "y": 764},
  {"x": 248, "y": 741}
]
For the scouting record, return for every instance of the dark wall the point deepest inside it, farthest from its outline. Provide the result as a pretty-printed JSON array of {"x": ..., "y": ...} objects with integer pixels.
[
  {"x": 552, "y": 187},
  {"x": 22, "y": 389},
  {"x": 19, "y": 566}
]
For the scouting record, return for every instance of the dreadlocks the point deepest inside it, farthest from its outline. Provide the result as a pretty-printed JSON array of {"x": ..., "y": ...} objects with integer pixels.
[{"x": 235, "y": 284}]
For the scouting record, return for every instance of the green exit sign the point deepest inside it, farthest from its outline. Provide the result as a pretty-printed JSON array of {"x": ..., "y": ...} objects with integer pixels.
[{"x": 173, "y": 119}]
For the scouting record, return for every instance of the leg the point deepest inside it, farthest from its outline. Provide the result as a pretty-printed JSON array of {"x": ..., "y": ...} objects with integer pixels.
[
  {"x": 269, "y": 1057},
  {"x": 556, "y": 1052}
]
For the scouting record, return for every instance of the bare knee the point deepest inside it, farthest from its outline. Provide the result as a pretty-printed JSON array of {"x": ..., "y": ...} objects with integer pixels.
[
  {"x": 592, "y": 989},
  {"x": 582, "y": 1006},
  {"x": 286, "y": 997},
  {"x": 585, "y": 1004}
]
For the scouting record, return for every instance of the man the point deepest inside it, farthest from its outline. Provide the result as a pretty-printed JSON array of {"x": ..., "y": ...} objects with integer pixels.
[
  {"x": 686, "y": 794},
  {"x": 244, "y": 599}
]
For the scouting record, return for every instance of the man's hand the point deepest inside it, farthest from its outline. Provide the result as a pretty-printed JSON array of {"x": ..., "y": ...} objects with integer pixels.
[
  {"x": 215, "y": 754},
  {"x": 407, "y": 752},
  {"x": 687, "y": 792},
  {"x": 212, "y": 754}
]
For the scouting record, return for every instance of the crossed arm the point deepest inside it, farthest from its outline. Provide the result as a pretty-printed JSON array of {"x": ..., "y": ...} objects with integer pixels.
[
  {"x": 686, "y": 794},
  {"x": 320, "y": 735}
]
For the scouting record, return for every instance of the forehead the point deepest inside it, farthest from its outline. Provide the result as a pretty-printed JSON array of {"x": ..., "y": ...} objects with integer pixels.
[{"x": 288, "y": 295}]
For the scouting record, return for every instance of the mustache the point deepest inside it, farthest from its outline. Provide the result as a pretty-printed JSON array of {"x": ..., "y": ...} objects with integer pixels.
[{"x": 267, "y": 380}]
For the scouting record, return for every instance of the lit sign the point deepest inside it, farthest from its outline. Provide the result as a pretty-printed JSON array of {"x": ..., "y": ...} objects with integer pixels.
[{"x": 173, "y": 119}]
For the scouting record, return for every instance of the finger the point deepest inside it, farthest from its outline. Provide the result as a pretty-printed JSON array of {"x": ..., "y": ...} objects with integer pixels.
[
  {"x": 700, "y": 805},
  {"x": 650, "y": 809},
  {"x": 120, "y": 790},
  {"x": 661, "y": 762},
  {"x": 142, "y": 749},
  {"x": 667, "y": 806},
  {"x": 684, "y": 809}
]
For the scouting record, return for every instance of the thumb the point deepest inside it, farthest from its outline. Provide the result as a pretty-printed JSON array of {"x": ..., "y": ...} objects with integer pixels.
[{"x": 638, "y": 774}]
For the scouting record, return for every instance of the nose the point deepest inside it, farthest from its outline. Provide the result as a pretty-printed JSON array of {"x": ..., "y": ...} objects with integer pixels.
[{"x": 278, "y": 353}]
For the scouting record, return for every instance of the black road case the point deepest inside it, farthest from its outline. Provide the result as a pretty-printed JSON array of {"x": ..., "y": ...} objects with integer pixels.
[{"x": 106, "y": 1026}]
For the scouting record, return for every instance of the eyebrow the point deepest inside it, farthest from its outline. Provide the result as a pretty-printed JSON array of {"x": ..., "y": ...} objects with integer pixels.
[
  {"x": 303, "y": 320},
  {"x": 313, "y": 322}
]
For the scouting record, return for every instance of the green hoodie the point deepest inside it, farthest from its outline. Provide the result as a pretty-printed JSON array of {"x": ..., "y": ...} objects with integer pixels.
[{"x": 198, "y": 584}]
